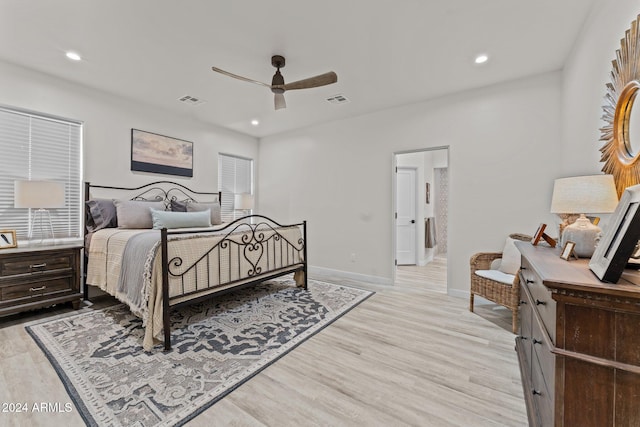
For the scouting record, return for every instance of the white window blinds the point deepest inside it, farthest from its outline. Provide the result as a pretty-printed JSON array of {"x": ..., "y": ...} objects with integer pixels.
[
  {"x": 235, "y": 176},
  {"x": 40, "y": 147}
]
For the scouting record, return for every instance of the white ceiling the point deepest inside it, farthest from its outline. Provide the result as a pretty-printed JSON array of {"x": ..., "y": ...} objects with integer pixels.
[{"x": 385, "y": 52}]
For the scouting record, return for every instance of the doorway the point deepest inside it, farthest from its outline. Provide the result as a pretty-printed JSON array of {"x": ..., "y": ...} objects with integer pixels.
[{"x": 420, "y": 206}]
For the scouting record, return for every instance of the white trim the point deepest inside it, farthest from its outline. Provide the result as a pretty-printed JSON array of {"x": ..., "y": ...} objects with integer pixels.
[
  {"x": 322, "y": 273},
  {"x": 459, "y": 293}
]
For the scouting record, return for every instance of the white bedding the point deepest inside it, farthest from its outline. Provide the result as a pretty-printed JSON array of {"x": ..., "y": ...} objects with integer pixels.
[{"x": 238, "y": 264}]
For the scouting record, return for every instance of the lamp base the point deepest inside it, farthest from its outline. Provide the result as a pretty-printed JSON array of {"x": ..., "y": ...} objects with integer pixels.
[
  {"x": 45, "y": 225},
  {"x": 584, "y": 234}
]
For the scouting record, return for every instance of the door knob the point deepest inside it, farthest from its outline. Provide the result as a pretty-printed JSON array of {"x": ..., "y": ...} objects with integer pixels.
[{"x": 413, "y": 221}]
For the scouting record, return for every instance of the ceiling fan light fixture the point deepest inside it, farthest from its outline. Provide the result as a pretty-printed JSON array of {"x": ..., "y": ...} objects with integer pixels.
[{"x": 279, "y": 101}]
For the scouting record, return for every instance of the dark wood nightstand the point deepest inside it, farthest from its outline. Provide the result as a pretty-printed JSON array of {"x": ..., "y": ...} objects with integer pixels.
[{"x": 38, "y": 276}]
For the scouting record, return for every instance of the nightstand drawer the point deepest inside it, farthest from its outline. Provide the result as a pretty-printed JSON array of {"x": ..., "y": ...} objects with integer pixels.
[
  {"x": 36, "y": 289},
  {"x": 35, "y": 263}
]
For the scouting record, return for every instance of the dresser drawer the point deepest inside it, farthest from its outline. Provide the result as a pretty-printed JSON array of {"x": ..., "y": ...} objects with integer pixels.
[
  {"x": 525, "y": 326},
  {"x": 36, "y": 289},
  {"x": 35, "y": 263},
  {"x": 543, "y": 399},
  {"x": 541, "y": 297},
  {"x": 545, "y": 359}
]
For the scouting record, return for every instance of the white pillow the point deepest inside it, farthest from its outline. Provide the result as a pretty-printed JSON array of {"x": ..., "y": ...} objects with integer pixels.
[
  {"x": 510, "y": 258},
  {"x": 169, "y": 219},
  {"x": 496, "y": 275}
]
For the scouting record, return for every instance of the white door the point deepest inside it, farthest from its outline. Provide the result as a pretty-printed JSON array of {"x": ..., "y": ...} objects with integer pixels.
[{"x": 406, "y": 216}]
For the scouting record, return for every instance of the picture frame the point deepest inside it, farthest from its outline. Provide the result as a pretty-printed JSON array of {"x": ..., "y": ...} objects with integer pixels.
[
  {"x": 568, "y": 251},
  {"x": 538, "y": 234},
  {"x": 155, "y": 153},
  {"x": 619, "y": 238},
  {"x": 541, "y": 235},
  {"x": 8, "y": 239}
]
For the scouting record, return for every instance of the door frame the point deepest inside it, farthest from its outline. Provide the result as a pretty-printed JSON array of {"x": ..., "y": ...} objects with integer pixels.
[
  {"x": 394, "y": 163},
  {"x": 416, "y": 196}
]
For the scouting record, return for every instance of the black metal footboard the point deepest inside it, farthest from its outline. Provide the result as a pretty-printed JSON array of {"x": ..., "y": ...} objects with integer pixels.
[{"x": 247, "y": 251}]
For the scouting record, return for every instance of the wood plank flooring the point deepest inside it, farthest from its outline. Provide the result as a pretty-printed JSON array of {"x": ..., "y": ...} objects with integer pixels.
[{"x": 409, "y": 355}]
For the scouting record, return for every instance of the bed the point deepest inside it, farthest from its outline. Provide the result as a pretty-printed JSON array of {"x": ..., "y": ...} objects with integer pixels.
[{"x": 163, "y": 245}]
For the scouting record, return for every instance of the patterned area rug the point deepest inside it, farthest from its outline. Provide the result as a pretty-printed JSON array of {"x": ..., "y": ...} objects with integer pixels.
[{"x": 217, "y": 345}]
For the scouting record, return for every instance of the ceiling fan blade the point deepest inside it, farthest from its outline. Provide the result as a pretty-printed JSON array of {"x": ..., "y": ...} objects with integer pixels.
[
  {"x": 235, "y": 76},
  {"x": 279, "y": 101},
  {"x": 317, "y": 81}
]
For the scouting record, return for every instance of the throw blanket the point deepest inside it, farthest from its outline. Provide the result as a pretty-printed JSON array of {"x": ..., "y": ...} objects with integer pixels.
[{"x": 127, "y": 265}]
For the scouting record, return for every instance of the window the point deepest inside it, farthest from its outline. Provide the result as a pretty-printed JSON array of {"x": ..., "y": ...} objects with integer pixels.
[
  {"x": 235, "y": 176},
  {"x": 40, "y": 147}
]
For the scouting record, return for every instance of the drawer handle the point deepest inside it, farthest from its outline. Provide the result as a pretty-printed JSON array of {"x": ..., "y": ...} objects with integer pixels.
[
  {"x": 536, "y": 392},
  {"x": 523, "y": 268},
  {"x": 538, "y": 302},
  {"x": 41, "y": 288},
  {"x": 530, "y": 281},
  {"x": 43, "y": 265},
  {"x": 523, "y": 338},
  {"x": 522, "y": 302},
  {"x": 535, "y": 341}
]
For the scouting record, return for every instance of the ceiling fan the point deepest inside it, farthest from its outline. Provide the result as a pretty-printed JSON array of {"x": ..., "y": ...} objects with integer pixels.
[{"x": 278, "y": 86}]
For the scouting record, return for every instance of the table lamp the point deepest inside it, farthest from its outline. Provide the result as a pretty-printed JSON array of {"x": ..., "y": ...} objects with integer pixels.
[
  {"x": 39, "y": 195},
  {"x": 243, "y": 202},
  {"x": 576, "y": 196}
]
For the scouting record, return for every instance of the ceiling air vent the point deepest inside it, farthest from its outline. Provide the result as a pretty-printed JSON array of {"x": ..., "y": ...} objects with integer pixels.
[
  {"x": 338, "y": 99},
  {"x": 191, "y": 100}
]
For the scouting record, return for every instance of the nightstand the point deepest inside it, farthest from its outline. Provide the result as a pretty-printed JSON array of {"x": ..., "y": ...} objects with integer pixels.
[{"x": 38, "y": 276}]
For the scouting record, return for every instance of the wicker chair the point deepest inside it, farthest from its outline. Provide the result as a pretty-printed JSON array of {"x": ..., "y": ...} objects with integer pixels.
[{"x": 500, "y": 293}]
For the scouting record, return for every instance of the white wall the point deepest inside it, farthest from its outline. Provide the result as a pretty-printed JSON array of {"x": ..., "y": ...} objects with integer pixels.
[
  {"x": 107, "y": 128},
  {"x": 503, "y": 157},
  {"x": 584, "y": 78}
]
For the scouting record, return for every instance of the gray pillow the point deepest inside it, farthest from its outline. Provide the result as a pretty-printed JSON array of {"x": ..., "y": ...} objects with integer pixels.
[
  {"x": 216, "y": 216},
  {"x": 99, "y": 214},
  {"x": 136, "y": 213}
]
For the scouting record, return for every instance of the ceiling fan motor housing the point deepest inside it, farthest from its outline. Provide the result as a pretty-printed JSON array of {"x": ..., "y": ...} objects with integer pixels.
[{"x": 278, "y": 62}]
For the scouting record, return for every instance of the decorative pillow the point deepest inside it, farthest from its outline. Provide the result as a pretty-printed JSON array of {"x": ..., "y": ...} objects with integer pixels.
[
  {"x": 99, "y": 214},
  {"x": 214, "y": 207},
  {"x": 136, "y": 213},
  {"x": 169, "y": 219},
  {"x": 510, "y": 258},
  {"x": 177, "y": 206}
]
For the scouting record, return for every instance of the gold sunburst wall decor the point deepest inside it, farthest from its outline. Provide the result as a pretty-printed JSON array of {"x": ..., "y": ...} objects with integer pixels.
[{"x": 619, "y": 157}]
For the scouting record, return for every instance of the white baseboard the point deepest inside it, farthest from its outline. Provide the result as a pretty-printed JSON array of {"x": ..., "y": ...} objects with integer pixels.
[
  {"x": 329, "y": 273},
  {"x": 459, "y": 293}
]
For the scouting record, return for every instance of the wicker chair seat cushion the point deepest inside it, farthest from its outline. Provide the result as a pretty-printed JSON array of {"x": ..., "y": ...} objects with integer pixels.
[{"x": 496, "y": 275}]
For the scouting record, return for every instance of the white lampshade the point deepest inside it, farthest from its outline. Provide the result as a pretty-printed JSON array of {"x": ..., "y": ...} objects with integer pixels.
[
  {"x": 243, "y": 201},
  {"x": 38, "y": 194},
  {"x": 584, "y": 194}
]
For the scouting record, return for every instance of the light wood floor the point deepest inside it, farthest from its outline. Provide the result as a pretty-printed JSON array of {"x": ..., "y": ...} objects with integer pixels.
[{"x": 409, "y": 355}]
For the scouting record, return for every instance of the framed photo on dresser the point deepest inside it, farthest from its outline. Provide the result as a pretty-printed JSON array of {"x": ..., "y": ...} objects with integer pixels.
[{"x": 619, "y": 238}]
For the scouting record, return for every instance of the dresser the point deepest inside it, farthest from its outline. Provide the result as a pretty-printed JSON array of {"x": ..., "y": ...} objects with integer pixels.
[
  {"x": 38, "y": 276},
  {"x": 579, "y": 342}
]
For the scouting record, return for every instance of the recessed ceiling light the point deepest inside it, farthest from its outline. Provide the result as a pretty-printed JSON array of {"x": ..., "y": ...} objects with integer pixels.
[
  {"x": 73, "y": 56},
  {"x": 481, "y": 59},
  {"x": 255, "y": 122}
]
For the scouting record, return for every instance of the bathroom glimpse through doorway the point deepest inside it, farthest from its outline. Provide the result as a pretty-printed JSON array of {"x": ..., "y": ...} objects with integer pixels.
[{"x": 420, "y": 206}]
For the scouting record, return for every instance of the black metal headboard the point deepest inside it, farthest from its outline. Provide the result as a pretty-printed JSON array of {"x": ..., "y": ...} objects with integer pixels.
[{"x": 158, "y": 190}]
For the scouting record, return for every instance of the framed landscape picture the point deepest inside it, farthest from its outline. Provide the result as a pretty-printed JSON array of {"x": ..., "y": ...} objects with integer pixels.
[{"x": 155, "y": 153}]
